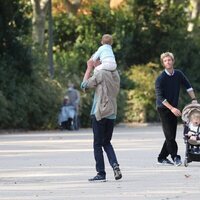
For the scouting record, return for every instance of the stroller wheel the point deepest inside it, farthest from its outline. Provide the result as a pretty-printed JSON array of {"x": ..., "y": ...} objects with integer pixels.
[{"x": 186, "y": 163}]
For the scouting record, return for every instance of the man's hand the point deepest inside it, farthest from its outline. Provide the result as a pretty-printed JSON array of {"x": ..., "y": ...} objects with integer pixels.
[
  {"x": 176, "y": 112},
  {"x": 96, "y": 63},
  {"x": 194, "y": 101}
]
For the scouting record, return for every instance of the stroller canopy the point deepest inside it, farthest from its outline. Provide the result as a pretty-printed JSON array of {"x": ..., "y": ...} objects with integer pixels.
[{"x": 188, "y": 109}]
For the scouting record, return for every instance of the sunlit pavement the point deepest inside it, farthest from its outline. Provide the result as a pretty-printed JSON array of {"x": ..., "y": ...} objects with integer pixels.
[{"x": 56, "y": 165}]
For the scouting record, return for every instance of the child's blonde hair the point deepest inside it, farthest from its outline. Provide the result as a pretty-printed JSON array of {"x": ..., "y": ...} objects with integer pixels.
[
  {"x": 163, "y": 55},
  {"x": 107, "y": 39},
  {"x": 194, "y": 115}
]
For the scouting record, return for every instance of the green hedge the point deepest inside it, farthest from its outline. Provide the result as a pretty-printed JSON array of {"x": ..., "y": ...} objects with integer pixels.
[
  {"x": 29, "y": 102},
  {"x": 141, "y": 98}
]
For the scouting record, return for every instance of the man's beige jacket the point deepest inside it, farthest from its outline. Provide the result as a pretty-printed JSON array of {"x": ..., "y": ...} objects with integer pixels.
[{"x": 107, "y": 85}]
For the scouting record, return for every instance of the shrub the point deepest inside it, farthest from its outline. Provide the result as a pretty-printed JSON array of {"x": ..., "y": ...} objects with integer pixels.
[{"x": 141, "y": 99}]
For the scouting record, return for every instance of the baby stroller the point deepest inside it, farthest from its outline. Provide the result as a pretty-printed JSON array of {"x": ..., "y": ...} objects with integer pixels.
[
  {"x": 68, "y": 116},
  {"x": 192, "y": 152}
]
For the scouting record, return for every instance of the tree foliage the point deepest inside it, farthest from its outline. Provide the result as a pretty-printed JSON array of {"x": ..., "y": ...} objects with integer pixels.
[
  {"x": 142, "y": 30},
  {"x": 25, "y": 94}
]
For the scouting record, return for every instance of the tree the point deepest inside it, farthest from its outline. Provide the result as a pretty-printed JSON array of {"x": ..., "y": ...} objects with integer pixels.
[
  {"x": 28, "y": 99},
  {"x": 38, "y": 20},
  {"x": 194, "y": 14}
]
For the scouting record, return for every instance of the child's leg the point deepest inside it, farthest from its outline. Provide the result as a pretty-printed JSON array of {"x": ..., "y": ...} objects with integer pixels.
[
  {"x": 107, "y": 66},
  {"x": 194, "y": 138},
  {"x": 99, "y": 67}
]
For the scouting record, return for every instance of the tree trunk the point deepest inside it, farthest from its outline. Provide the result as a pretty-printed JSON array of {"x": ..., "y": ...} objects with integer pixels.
[
  {"x": 38, "y": 20},
  {"x": 194, "y": 14}
]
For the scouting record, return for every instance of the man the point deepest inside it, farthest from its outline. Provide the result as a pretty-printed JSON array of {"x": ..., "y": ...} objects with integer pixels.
[
  {"x": 74, "y": 96},
  {"x": 104, "y": 109},
  {"x": 167, "y": 88}
]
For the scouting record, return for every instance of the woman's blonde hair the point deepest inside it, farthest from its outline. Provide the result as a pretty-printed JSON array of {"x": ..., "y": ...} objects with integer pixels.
[
  {"x": 163, "y": 55},
  {"x": 107, "y": 39}
]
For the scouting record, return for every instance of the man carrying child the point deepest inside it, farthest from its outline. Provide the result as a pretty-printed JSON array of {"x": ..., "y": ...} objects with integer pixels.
[{"x": 106, "y": 82}]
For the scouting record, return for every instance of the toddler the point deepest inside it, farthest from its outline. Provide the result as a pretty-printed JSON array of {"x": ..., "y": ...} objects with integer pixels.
[
  {"x": 104, "y": 57},
  {"x": 194, "y": 128}
]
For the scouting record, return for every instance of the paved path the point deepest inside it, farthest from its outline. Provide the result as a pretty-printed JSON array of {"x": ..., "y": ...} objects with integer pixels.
[{"x": 56, "y": 166}]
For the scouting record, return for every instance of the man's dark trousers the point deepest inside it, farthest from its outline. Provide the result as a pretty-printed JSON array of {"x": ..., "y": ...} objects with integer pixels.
[
  {"x": 103, "y": 131},
  {"x": 169, "y": 125}
]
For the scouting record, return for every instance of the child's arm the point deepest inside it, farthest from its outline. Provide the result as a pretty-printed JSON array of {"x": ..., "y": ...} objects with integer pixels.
[{"x": 189, "y": 134}]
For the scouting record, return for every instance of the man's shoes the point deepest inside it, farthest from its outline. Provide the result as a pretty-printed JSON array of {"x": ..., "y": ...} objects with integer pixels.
[
  {"x": 165, "y": 161},
  {"x": 98, "y": 178},
  {"x": 117, "y": 172},
  {"x": 177, "y": 161}
]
